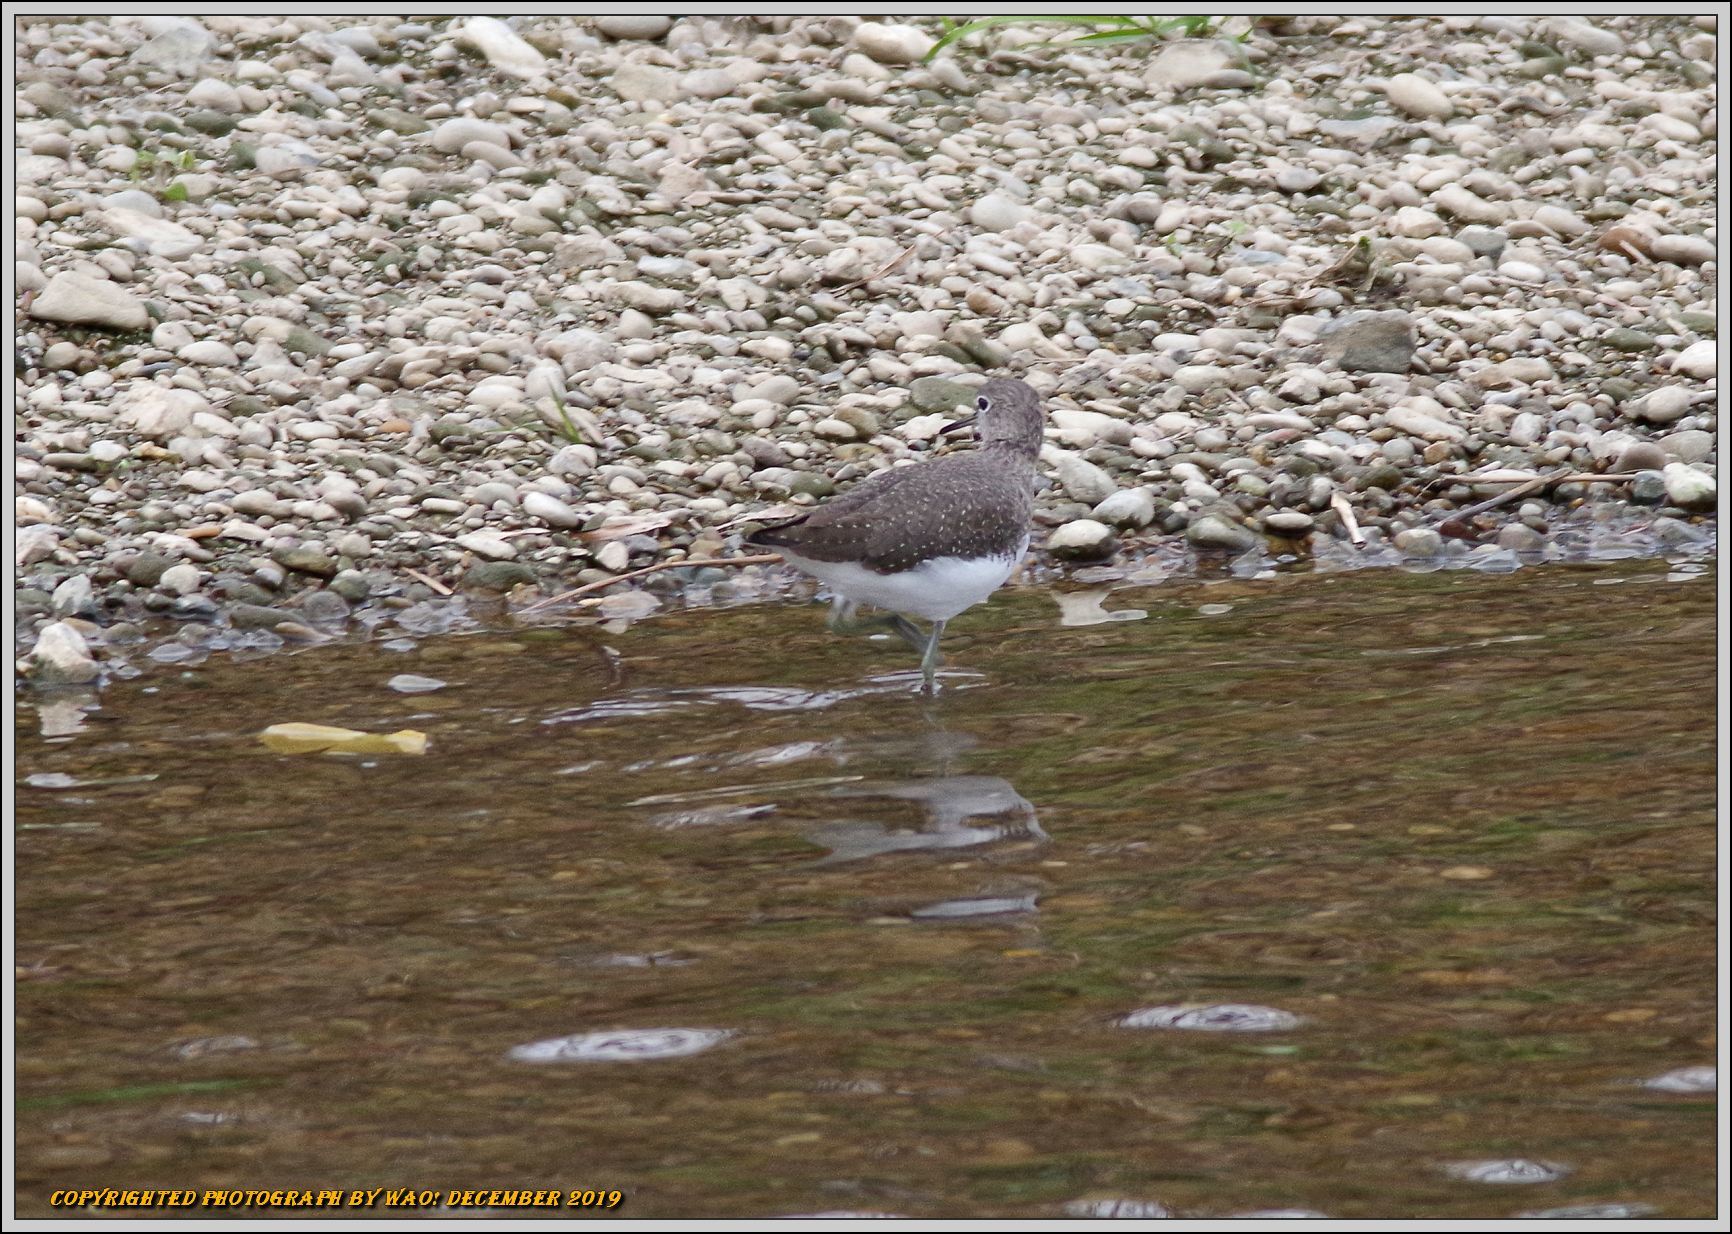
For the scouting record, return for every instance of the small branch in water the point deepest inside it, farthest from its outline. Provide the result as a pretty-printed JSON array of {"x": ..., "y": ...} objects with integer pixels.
[
  {"x": 760, "y": 559},
  {"x": 1338, "y": 503}
]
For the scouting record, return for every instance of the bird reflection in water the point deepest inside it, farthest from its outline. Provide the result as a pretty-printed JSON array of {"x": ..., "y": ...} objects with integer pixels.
[{"x": 961, "y": 810}]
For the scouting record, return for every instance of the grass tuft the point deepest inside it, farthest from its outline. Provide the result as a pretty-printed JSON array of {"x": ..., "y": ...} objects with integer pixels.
[{"x": 1116, "y": 29}]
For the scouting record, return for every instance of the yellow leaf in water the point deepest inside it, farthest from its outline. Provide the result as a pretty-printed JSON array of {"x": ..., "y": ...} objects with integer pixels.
[{"x": 297, "y": 738}]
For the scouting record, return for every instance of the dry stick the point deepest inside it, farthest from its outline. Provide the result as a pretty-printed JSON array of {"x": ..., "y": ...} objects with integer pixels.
[
  {"x": 432, "y": 582},
  {"x": 901, "y": 257},
  {"x": 760, "y": 559},
  {"x": 1339, "y": 504},
  {"x": 1533, "y": 486}
]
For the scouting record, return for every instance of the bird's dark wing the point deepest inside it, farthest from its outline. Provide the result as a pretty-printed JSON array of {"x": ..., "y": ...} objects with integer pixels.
[{"x": 953, "y": 506}]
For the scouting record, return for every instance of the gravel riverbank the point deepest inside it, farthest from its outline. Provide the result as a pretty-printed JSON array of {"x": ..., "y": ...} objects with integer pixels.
[{"x": 324, "y": 321}]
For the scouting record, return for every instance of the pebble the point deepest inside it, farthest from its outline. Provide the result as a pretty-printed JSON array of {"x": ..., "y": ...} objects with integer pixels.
[
  {"x": 1128, "y": 508},
  {"x": 892, "y": 44},
  {"x": 1663, "y": 406},
  {"x": 1370, "y": 342},
  {"x": 1291, "y": 523},
  {"x": 1418, "y": 96},
  {"x": 62, "y": 657},
  {"x": 1690, "y": 488},
  {"x": 1699, "y": 360},
  {"x": 83, "y": 300},
  {"x": 504, "y": 49},
  {"x": 1213, "y": 531},
  {"x": 1082, "y": 539},
  {"x": 634, "y": 26},
  {"x": 997, "y": 212}
]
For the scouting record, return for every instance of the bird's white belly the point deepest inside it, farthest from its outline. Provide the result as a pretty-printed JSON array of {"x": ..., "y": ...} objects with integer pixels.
[{"x": 934, "y": 590}]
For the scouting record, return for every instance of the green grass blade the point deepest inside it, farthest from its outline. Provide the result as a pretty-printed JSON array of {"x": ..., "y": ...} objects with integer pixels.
[{"x": 958, "y": 33}]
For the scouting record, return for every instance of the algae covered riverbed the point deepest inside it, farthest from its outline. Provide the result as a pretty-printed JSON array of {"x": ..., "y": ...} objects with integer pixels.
[{"x": 715, "y": 912}]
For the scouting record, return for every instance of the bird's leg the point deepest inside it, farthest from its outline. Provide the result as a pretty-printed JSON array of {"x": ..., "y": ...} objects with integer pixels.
[
  {"x": 929, "y": 661},
  {"x": 909, "y": 632},
  {"x": 843, "y": 618}
]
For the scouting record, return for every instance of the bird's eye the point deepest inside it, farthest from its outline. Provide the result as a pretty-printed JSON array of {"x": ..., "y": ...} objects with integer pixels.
[{"x": 983, "y": 403}]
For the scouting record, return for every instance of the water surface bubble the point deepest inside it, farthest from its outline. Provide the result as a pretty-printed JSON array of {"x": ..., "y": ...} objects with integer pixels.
[
  {"x": 1213, "y": 1018},
  {"x": 1516, "y": 1170},
  {"x": 625, "y": 1045},
  {"x": 1686, "y": 1080},
  {"x": 1131, "y": 1210},
  {"x": 1591, "y": 1212},
  {"x": 997, "y": 906}
]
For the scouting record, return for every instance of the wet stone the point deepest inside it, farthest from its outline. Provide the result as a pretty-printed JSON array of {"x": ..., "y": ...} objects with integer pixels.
[
  {"x": 623, "y": 1046},
  {"x": 1213, "y": 1018},
  {"x": 1513, "y": 1172},
  {"x": 497, "y": 575}
]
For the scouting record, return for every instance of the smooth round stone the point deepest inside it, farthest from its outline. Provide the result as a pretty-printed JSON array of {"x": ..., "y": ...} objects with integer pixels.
[
  {"x": 1131, "y": 507},
  {"x": 1700, "y": 360},
  {"x": 1212, "y": 531},
  {"x": 1419, "y": 542},
  {"x": 633, "y": 26},
  {"x": 550, "y": 510},
  {"x": 1663, "y": 406},
  {"x": 892, "y": 44},
  {"x": 1083, "y": 539},
  {"x": 1689, "y": 488},
  {"x": 1417, "y": 96},
  {"x": 1289, "y": 522},
  {"x": 997, "y": 212}
]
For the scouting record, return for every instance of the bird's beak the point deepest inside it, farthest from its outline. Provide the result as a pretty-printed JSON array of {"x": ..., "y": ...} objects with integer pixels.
[{"x": 956, "y": 426}]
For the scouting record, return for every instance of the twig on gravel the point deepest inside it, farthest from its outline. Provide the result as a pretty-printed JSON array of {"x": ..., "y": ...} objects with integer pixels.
[
  {"x": 1535, "y": 485},
  {"x": 432, "y": 582},
  {"x": 759, "y": 559},
  {"x": 1338, "y": 503},
  {"x": 879, "y": 273}
]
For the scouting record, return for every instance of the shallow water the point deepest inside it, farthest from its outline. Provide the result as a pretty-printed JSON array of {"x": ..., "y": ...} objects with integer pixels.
[{"x": 715, "y": 912}]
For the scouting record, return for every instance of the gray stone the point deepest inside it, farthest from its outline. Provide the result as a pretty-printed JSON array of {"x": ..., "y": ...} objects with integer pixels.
[
  {"x": 1520, "y": 538},
  {"x": 936, "y": 394},
  {"x": 1648, "y": 488},
  {"x": 1215, "y": 531},
  {"x": 633, "y": 26},
  {"x": 352, "y": 585},
  {"x": 74, "y": 597},
  {"x": 1131, "y": 507},
  {"x": 1082, "y": 539},
  {"x": 1419, "y": 542},
  {"x": 1370, "y": 342},
  {"x": 62, "y": 657},
  {"x": 147, "y": 569},
  {"x": 257, "y": 617},
  {"x": 1689, "y": 488},
  {"x": 82, "y": 300},
  {"x": 305, "y": 559},
  {"x": 324, "y": 607},
  {"x": 1663, "y": 406},
  {"x": 497, "y": 575},
  {"x": 1290, "y": 523}
]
